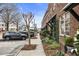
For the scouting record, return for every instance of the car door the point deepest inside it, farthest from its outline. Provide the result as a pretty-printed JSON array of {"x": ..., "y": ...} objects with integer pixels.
[
  {"x": 15, "y": 35},
  {"x": 12, "y": 34},
  {"x": 18, "y": 35}
]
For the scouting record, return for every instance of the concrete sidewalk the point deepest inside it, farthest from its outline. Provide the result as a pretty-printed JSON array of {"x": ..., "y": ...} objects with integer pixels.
[
  {"x": 37, "y": 52},
  {"x": 1, "y": 33}
]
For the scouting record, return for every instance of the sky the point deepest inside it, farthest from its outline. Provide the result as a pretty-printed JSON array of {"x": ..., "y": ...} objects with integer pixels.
[{"x": 38, "y": 9}]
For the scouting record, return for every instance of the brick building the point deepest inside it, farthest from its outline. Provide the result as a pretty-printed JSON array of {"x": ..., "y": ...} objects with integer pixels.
[{"x": 61, "y": 19}]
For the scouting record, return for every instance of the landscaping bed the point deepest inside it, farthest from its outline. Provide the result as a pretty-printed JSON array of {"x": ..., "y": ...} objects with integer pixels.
[
  {"x": 29, "y": 47},
  {"x": 48, "y": 51},
  {"x": 51, "y": 47}
]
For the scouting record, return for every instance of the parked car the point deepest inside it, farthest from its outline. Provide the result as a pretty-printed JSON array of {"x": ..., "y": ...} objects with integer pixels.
[
  {"x": 14, "y": 35},
  {"x": 24, "y": 32}
]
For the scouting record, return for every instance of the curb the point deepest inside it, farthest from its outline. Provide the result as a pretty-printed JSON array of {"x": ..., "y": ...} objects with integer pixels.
[{"x": 15, "y": 51}]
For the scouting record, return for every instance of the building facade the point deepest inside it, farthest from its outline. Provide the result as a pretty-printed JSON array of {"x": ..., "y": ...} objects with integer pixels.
[
  {"x": 61, "y": 19},
  {"x": 12, "y": 27},
  {"x": 2, "y": 26}
]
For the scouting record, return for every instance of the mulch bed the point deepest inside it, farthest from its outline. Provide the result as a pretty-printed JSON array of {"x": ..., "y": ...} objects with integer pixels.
[
  {"x": 33, "y": 37},
  {"x": 49, "y": 52},
  {"x": 29, "y": 47}
]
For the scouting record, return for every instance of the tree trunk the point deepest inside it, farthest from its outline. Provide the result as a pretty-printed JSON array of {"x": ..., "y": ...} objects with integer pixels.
[
  {"x": 7, "y": 24},
  {"x": 17, "y": 27},
  {"x": 29, "y": 36},
  {"x": 7, "y": 27},
  {"x": 25, "y": 28}
]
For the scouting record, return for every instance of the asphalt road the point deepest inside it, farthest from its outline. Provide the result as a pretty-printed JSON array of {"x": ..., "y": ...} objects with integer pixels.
[{"x": 7, "y": 47}]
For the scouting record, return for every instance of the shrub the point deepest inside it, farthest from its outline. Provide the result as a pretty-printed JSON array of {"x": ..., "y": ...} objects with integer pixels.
[
  {"x": 44, "y": 33},
  {"x": 47, "y": 40},
  {"x": 60, "y": 53},
  {"x": 54, "y": 45},
  {"x": 69, "y": 41}
]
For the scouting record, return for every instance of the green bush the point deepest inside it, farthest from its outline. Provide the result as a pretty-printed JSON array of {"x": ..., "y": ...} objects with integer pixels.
[
  {"x": 54, "y": 45},
  {"x": 47, "y": 40},
  {"x": 69, "y": 41},
  {"x": 44, "y": 33},
  {"x": 60, "y": 53}
]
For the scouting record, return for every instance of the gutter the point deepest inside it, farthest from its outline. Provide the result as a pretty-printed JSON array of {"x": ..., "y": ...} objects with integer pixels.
[{"x": 65, "y": 7}]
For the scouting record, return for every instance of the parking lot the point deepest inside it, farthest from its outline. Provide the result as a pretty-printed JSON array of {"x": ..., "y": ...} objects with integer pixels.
[{"x": 6, "y": 47}]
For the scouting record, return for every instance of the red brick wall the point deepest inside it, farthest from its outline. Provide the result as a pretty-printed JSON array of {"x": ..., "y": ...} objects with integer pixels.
[
  {"x": 76, "y": 9},
  {"x": 50, "y": 12},
  {"x": 74, "y": 25}
]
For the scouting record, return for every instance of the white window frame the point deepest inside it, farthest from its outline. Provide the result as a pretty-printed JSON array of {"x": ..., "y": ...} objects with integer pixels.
[
  {"x": 64, "y": 18},
  {"x": 60, "y": 26},
  {"x": 68, "y": 20}
]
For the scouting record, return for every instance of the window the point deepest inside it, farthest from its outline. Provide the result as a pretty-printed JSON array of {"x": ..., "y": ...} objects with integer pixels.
[
  {"x": 67, "y": 23},
  {"x": 64, "y": 24}
]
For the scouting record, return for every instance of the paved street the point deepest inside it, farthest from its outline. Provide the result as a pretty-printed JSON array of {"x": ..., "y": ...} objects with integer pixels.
[{"x": 6, "y": 47}]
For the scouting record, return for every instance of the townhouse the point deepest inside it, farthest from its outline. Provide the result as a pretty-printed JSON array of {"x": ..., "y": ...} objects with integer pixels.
[
  {"x": 12, "y": 27},
  {"x": 2, "y": 26},
  {"x": 61, "y": 19}
]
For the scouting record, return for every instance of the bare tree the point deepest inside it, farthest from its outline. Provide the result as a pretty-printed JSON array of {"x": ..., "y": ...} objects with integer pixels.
[
  {"x": 17, "y": 20},
  {"x": 28, "y": 18},
  {"x": 7, "y": 13}
]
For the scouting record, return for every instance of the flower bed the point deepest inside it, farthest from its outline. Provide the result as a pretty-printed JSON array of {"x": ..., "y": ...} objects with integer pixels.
[
  {"x": 48, "y": 51},
  {"x": 50, "y": 47}
]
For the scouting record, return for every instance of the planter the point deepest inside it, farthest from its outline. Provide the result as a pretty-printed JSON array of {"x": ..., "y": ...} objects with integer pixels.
[{"x": 48, "y": 51}]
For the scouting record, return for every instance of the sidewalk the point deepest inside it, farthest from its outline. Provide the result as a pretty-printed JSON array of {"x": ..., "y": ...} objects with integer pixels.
[{"x": 39, "y": 51}]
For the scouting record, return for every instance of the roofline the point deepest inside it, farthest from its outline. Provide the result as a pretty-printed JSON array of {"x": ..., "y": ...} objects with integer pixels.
[
  {"x": 65, "y": 7},
  {"x": 69, "y": 6}
]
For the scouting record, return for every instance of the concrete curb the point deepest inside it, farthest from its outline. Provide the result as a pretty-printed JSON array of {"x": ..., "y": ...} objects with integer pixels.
[{"x": 16, "y": 51}]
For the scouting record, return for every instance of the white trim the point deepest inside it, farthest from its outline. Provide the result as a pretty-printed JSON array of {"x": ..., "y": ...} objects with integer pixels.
[{"x": 63, "y": 18}]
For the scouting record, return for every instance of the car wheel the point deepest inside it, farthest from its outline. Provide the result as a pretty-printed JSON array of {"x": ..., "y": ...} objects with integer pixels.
[
  {"x": 7, "y": 38},
  {"x": 23, "y": 38}
]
